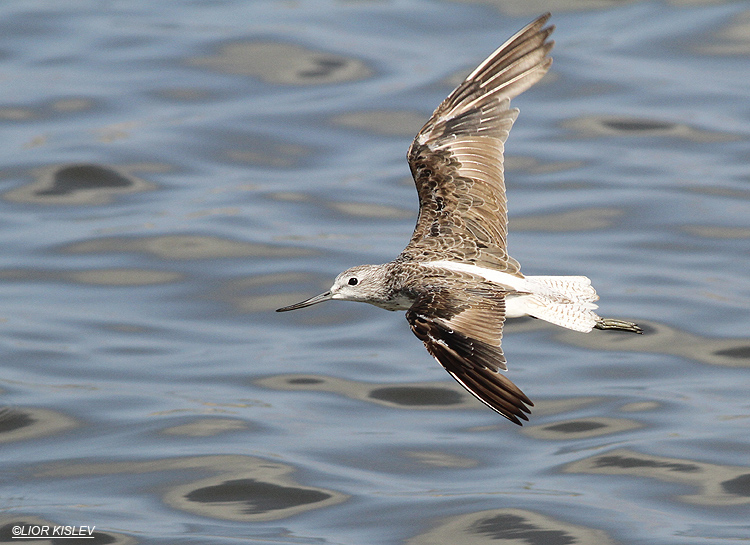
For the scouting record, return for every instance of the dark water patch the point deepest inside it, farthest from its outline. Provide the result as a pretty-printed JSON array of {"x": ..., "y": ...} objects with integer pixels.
[
  {"x": 718, "y": 485},
  {"x": 411, "y": 396},
  {"x": 77, "y": 184},
  {"x": 23, "y": 423},
  {"x": 739, "y": 352},
  {"x": 637, "y": 125},
  {"x": 257, "y": 497},
  {"x": 11, "y": 420},
  {"x": 510, "y": 526},
  {"x": 82, "y": 177},
  {"x": 244, "y": 488},
  {"x": 403, "y": 396},
  {"x": 575, "y": 427},
  {"x": 739, "y": 485},
  {"x": 134, "y": 351},
  {"x": 625, "y": 462},
  {"x": 581, "y": 429},
  {"x": 306, "y": 381},
  {"x": 593, "y": 126}
]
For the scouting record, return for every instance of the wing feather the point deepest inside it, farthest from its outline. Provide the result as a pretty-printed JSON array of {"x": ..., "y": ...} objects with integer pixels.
[
  {"x": 457, "y": 157},
  {"x": 463, "y": 331}
]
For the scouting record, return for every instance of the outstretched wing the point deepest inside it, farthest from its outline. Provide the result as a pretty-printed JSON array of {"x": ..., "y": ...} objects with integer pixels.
[
  {"x": 457, "y": 157},
  {"x": 462, "y": 331}
]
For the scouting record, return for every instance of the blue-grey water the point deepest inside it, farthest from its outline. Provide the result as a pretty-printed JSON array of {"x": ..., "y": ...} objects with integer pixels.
[{"x": 172, "y": 172}]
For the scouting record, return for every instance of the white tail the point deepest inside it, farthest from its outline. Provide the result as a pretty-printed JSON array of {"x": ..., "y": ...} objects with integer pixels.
[{"x": 567, "y": 301}]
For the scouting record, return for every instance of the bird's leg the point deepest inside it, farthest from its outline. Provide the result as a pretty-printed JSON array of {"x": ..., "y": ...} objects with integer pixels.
[{"x": 622, "y": 325}]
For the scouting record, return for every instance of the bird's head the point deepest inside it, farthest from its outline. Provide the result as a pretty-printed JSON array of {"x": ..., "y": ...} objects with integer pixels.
[{"x": 364, "y": 283}]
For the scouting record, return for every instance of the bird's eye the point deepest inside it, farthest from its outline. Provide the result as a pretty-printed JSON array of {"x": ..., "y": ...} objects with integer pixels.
[{"x": 353, "y": 281}]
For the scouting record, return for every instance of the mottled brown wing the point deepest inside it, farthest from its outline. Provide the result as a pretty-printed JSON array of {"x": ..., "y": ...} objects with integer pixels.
[
  {"x": 457, "y": 157},
  {"x": 462, "y": 331}
]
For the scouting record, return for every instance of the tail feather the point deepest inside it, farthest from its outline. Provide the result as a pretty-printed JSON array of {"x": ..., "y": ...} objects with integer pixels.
[
  {"x": 567, "y": 301},
  {"x": 575, "y": 316},
  {"x": 572, "y": 288}
]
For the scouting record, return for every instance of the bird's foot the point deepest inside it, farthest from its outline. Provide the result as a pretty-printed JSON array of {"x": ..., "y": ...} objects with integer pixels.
[{"x": 622, "y": 325}]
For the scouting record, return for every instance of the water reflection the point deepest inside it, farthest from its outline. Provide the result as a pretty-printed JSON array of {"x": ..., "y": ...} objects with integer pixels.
[
  {"x": 244, "y": 488},
  {"x": 595, "y": 126},
  {"x": 447, "y": 395},
  {"x": 581, "y": 428},
  {"x": 720, "y": 485},
  {"x": 89, "y": 184},
  {"x": 168, "y": 247},
  {"x": 403, "y": 396},
  {"x": 207, "y": 427},
  {"x": 510, "y": 526},
  {"x": 733, "y": 39},
  {"x": 662, "y": 339},
  {"x": 103, "y": 277},
  {"x": 283, "y": 63},
  {"x": 23, "y": 423}
]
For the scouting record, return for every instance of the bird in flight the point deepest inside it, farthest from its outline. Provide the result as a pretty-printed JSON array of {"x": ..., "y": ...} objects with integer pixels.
[{"x": 455, "y": 279}]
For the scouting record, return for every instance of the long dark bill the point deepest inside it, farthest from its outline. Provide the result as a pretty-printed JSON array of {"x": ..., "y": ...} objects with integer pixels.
[{"x": 306, "y": 303}]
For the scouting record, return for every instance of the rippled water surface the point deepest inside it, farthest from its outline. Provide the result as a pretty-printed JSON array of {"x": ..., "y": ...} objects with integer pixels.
[{"x": 172, "y": 172}]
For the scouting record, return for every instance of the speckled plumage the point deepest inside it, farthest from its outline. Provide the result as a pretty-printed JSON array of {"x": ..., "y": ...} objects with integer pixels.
[
  {"x": 457, "y": 157},
  {"x": 455, "y": 278}
]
